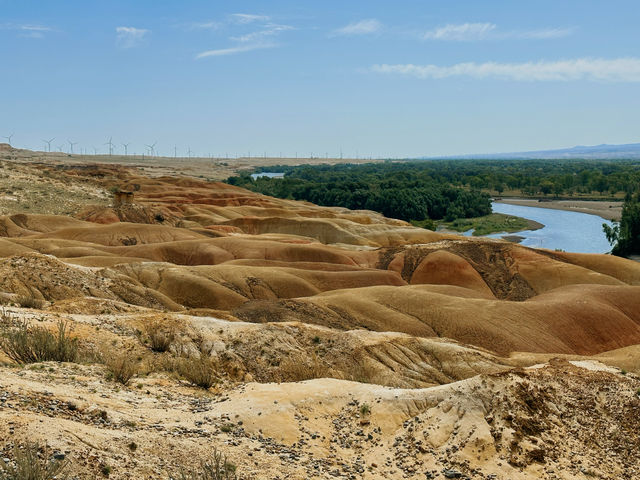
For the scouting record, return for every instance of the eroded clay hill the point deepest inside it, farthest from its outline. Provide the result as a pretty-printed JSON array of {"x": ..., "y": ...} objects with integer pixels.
[
  {"x": 182, "y": 244},
  {"x": 312, "y": 312}
]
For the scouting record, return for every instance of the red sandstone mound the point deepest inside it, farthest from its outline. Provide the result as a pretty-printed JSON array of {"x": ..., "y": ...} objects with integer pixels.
[
  {"x": 123, "y": 234},
  {"x": 225, "y": 287},
  {"x": 442, "y": 267},
  {"x": 47, "y": 278}
]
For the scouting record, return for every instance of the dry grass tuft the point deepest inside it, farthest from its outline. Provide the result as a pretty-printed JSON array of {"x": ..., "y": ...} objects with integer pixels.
[
  {"x": 28, "y": 344},
  {"x": 217, "y": 468},
  {"x": 159, "y": 334},
  {"x": 121, "y": 366},
  {"x": 29, "y": 301},
  {"x": 28, "y": 464},
  {"x": 201, "y": 371}
]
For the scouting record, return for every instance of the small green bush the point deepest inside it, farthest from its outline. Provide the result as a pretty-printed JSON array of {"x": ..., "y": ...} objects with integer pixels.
[{"x": 105, "y": 470}]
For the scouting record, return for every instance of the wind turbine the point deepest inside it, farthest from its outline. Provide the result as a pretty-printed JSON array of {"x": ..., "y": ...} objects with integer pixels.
[
  {"x": 60, "y": 148},
  {"x": 95, "y": 150},
  {"x": 71, "y": 144},
  {"x": 9, "y": 138},
  {"x": 126, "y": 146},
  {"x": 48, "y": 142},
  {"x": 152, "y": 149},
  {"x": 189, "y": 152},
  {"x": 110, "y": 143}
]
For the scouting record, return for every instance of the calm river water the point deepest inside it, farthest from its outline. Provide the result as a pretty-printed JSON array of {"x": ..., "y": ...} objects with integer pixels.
[{"x": 569, "y": 231}]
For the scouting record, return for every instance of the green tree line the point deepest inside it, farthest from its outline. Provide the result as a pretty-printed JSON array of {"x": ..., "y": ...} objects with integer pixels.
[
  {"x": 522, "y": 177},
  {"x": 401, "y": 191}
]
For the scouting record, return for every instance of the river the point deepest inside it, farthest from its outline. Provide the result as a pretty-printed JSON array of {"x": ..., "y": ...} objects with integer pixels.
[
  {"x": 563, "y": 230},
  {"x": 267, "y": 174}
]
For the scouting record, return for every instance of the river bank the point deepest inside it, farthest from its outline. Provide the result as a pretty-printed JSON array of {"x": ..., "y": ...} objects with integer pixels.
[{"x": 606, "y": 210}]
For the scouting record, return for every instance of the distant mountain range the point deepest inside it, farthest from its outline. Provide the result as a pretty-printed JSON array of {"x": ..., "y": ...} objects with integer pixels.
[{"x": 604, "y": 151}]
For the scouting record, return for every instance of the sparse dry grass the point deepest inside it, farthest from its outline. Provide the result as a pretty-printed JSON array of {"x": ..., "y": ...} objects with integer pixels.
[
  {"x": 216, "y": 468},
  {"x": 299, "y": 367},
  {"x": 159, "y": 334},
  {"x": 201, "y": 371},
  {"x": 23, "y": 343},
  {"x": 122, "y": 366},
  {"x": 27, "y": 463},
  {"x": 31, "y": 189},
  {"x": 29, "y": 301}
]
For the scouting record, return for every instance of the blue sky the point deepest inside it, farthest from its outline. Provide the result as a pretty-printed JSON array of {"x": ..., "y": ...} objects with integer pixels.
[{"x": 392, "y": 79}]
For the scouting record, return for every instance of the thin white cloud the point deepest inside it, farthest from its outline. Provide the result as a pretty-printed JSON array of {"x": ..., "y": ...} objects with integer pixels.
[
  {"x": 362, "y": 27},
  {"x": 470, "y": 32},
  {"x": 260, "y": 39},
  {"x": 547, "y": 33},
  {"x": 204, "y": 25},
  {"x": 249, "y": 18},
  {"x": 129, "y": 37},
  {"x": 27, "y": 30},
  {"x": 591, "y": 69},
  {"x": 35, "y": 28},
  {"x": 269, "y": 30},
  {"x": 234, "y": 50},
  {"x": 461, "y": 32}
]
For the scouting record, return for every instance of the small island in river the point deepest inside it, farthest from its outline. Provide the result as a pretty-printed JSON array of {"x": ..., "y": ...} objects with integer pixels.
[{"x": 488, "y": 224}]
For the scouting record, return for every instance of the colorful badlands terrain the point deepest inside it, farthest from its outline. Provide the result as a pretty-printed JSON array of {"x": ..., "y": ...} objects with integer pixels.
[{"x": 474, "y": 357}]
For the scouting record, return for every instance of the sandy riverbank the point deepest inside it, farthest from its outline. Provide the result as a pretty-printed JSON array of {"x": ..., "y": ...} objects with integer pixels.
[{"x": 606, "y": 210}]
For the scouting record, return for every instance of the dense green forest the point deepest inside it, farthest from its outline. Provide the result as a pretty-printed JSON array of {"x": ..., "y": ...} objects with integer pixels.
[
  {"x": 404, "y": 193},
  {"x": 444, "y": 189}
]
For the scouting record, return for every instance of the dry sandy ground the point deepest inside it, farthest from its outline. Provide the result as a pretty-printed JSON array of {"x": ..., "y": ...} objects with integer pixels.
[
  {"x": 570, "y": 418},
  {"x": 606, "y": 210}
]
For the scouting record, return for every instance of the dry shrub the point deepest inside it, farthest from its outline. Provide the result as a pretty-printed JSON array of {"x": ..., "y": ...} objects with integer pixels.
[
  {"x": 217, "y": 468},
  {"x": 121, "y": 366},
  {"x": 160, "y": 334},
  {"x": 29, "y": 301},
  {"x": 201, "y": 371},
  {"x": 28, "y": 344},
  {"x": 27, "y": 464}
]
